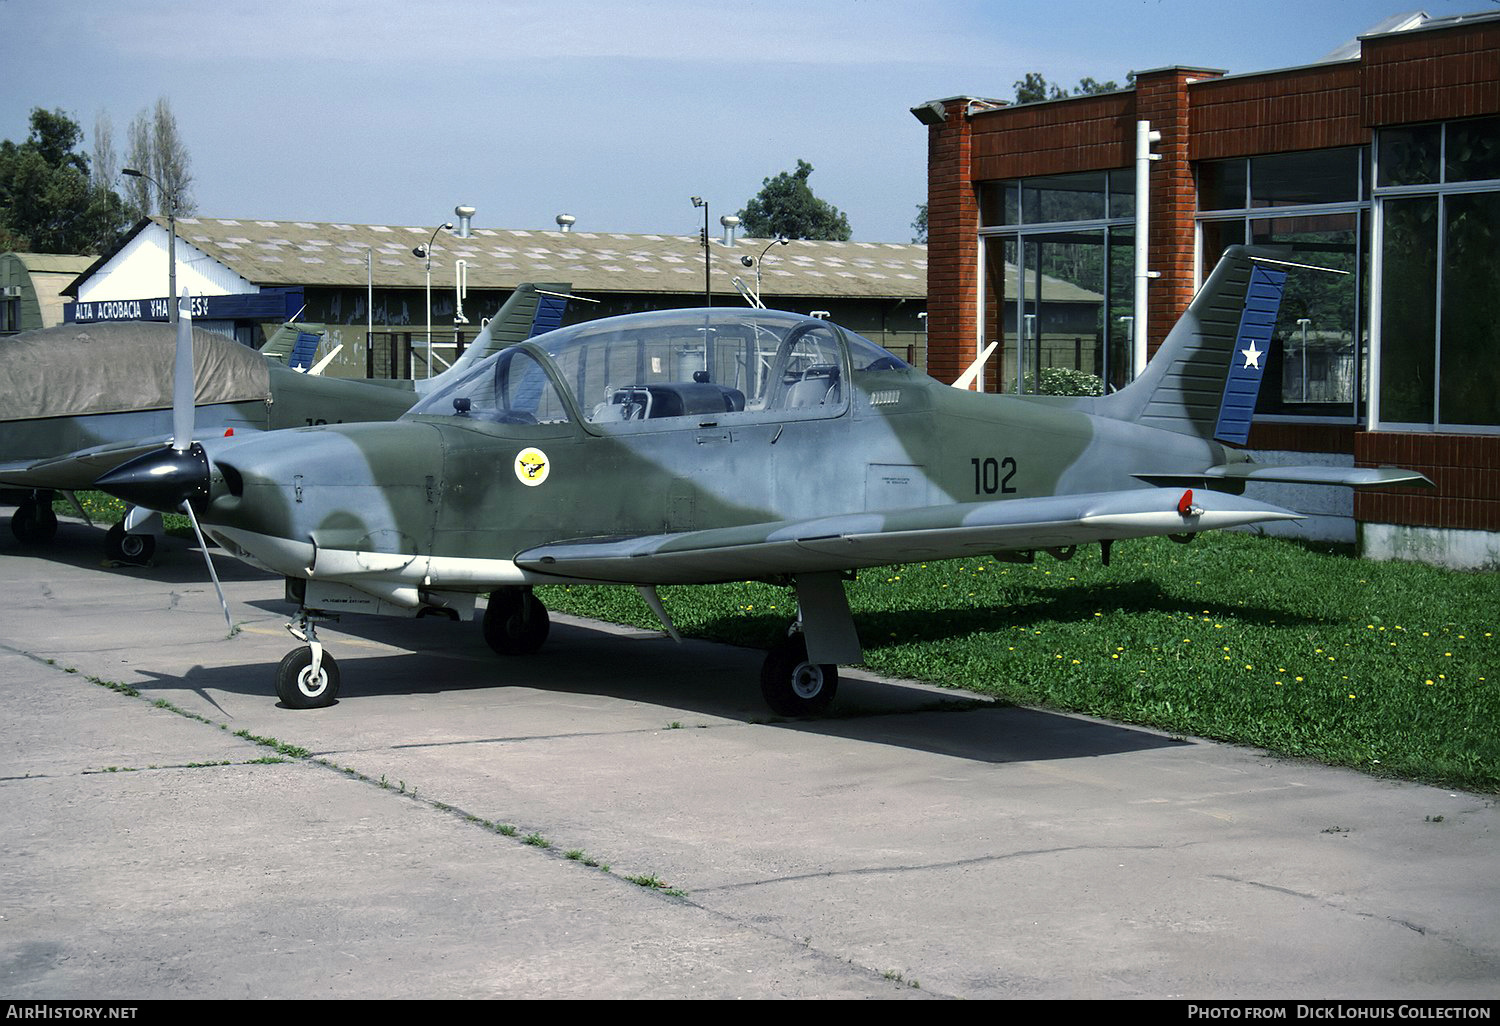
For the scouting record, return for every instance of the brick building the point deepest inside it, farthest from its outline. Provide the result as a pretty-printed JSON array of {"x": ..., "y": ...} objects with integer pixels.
[{"x": 1382, "y": 162}]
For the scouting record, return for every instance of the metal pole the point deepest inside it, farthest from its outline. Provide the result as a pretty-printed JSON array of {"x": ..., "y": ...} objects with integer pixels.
[
  {"x": 1144, "y": 137},
  {"x": 172, "y": 259},
  {"x": 426, "y": 253},
  {"x": 171, "y": 198},
  {"x": 708, "y": 295}
]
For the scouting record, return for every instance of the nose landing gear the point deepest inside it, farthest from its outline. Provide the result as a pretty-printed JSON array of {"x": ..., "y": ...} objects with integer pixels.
[{"x": 307, "y": 678}]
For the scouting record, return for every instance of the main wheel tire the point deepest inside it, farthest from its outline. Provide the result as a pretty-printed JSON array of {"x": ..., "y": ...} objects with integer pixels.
[
  {"x": 793, "y": 686},
  {"x": 515, "y": 622},
  {"x": 128, "y": 548},
  {"x": 33, "y": 523},
  {"x": 299, "y": 688}
]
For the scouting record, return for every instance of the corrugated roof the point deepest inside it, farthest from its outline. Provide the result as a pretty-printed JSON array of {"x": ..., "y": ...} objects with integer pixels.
[
  {"x": 61, "y": 263},
  {"x": 329, "y": 253}
]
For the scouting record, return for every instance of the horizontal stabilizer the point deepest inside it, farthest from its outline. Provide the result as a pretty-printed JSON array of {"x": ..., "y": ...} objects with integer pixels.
[
  {"x": 1353, "y": 477},
  {"x": 878, "y": 539}
]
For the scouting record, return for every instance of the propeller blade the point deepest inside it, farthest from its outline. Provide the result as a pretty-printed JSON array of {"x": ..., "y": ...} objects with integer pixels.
[
  {"x": 187, "y": 507},
  {"x": 183, "y": 389}
]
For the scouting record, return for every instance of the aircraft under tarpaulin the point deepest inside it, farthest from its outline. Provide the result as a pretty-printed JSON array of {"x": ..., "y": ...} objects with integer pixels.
[{"x": 79, "y": 399}]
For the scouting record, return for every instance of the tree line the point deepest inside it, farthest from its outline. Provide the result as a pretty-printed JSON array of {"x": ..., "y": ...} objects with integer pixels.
[{"x": 55, "y": 198}]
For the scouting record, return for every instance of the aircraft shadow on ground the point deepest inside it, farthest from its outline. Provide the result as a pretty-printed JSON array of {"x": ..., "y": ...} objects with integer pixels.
[
  {"x": 1079, "y": 603},
  {"x": 696, "y": 677},
  {"x": 177, "y": 561}
]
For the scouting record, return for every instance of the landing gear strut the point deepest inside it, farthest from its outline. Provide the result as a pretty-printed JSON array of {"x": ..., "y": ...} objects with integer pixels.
[
  {"x": 793, "y": 686},
  {"x": 308, "y": 678},
  {"x": 33, "y": 522},
  {"x": 515, "y": 622}
]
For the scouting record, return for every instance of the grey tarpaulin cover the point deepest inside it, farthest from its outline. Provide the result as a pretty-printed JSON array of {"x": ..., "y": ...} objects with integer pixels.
[{"x": 114, "y": 367}]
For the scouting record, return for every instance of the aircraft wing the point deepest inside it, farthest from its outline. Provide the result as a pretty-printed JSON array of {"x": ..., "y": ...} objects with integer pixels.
[
  {"x": 1232, "y": 473},
  {"x": 859, "y": 540}
]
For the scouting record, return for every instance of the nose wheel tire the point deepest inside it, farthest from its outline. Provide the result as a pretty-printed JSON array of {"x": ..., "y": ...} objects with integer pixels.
[
  {"x": 515, "y": 622},
  {"x": 299, "y": 687},
  {"x": 128, "y": 548},
  {"x": 793, "y": 686}
]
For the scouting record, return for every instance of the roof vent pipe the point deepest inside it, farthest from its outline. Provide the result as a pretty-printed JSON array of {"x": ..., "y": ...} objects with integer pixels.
[
  {"x": 565, "y": 222},
  {"x": 730, "y": 223},
  {"x": 465, "y": 216}
]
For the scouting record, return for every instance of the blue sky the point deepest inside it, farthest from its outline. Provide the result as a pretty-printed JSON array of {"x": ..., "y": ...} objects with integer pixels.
[{"x": 374, "y": 111}]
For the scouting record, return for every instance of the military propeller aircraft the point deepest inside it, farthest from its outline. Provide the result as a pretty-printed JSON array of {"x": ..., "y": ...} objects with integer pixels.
[
  {"x": 81, "y": 399},
  {"x": 698, "y": 446}
]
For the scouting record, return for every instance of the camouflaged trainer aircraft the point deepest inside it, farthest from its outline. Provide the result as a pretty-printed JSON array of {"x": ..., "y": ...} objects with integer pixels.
[
  {"x": 697, "y": 446},
  {"x": 79, "y": 400}
]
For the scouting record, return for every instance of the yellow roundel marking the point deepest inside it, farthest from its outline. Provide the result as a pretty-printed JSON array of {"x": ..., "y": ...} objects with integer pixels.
[{"x": 532, "y": 466}]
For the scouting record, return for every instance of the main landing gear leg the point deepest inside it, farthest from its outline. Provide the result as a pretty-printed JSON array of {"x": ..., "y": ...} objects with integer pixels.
[
  {"x": 308, "y": 678},
  {"x": 33, "y": 522},
  {"x": 515, "y": 621}
]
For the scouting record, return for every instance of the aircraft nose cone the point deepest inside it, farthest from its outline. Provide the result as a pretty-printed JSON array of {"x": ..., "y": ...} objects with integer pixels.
[{"x": 160, "y": 480}]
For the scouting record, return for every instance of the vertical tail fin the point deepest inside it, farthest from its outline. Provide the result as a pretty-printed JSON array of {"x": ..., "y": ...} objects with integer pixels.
[
  {"x": 1205, "y": 377},
  {"x": 515, "y": 321}
]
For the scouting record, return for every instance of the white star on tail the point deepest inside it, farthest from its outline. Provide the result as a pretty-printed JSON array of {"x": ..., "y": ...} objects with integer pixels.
[{"x": 1252, "y": 356}]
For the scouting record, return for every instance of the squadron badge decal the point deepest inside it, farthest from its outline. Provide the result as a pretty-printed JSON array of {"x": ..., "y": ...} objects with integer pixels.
[{"x": 532, "y": 466}]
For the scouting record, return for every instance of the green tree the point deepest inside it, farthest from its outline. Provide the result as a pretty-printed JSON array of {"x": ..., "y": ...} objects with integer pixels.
[
  {"x": 48, "y": 201},
  {"x": 1033, "y": 87},
  {"x": 920, "y": 224},
  {"x": 155, "y": 146},
  {"x": 786, "y": 206}
]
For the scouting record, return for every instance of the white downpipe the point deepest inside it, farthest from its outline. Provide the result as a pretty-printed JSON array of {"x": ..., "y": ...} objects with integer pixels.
[{"x": 1144, "y": 137}]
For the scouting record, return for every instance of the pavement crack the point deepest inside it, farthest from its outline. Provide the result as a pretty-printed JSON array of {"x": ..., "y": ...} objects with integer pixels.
[
  {"x": 1414, "y": 927},
  {"x": 978, "y": 860}
]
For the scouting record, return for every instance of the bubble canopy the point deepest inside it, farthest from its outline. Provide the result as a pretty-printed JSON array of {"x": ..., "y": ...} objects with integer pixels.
[{"x": 667, "y": 364}]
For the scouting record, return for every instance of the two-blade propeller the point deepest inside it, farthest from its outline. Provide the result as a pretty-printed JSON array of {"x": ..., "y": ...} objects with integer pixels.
[{"x": 170, "y": 480}]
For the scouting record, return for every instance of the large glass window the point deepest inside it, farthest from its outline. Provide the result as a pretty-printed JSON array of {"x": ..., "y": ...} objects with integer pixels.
[
  {"x": 1408, "y": 309},
  {"x": 1438, "y": 195},
  {"x": 1058, "y": 281},
  {"x": 1304, "y": 179},
  {"x": 1309, "y": 203},
  {"x": 1318, "y": 344},
  {"x": 1469, "y": 385}
]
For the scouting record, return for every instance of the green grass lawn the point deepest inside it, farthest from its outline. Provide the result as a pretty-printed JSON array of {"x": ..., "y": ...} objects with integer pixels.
[
  {"x": 106, "y": 509},
  {"x": 1388, "y": 667}
]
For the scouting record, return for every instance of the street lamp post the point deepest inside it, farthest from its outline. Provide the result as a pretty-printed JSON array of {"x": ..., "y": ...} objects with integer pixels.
[
  {"x": 708, "y": 295},
  {"x": 758, "y": 261},
  {"x": 425, "y": 252},
  {"x": 171, "y": 198}
]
